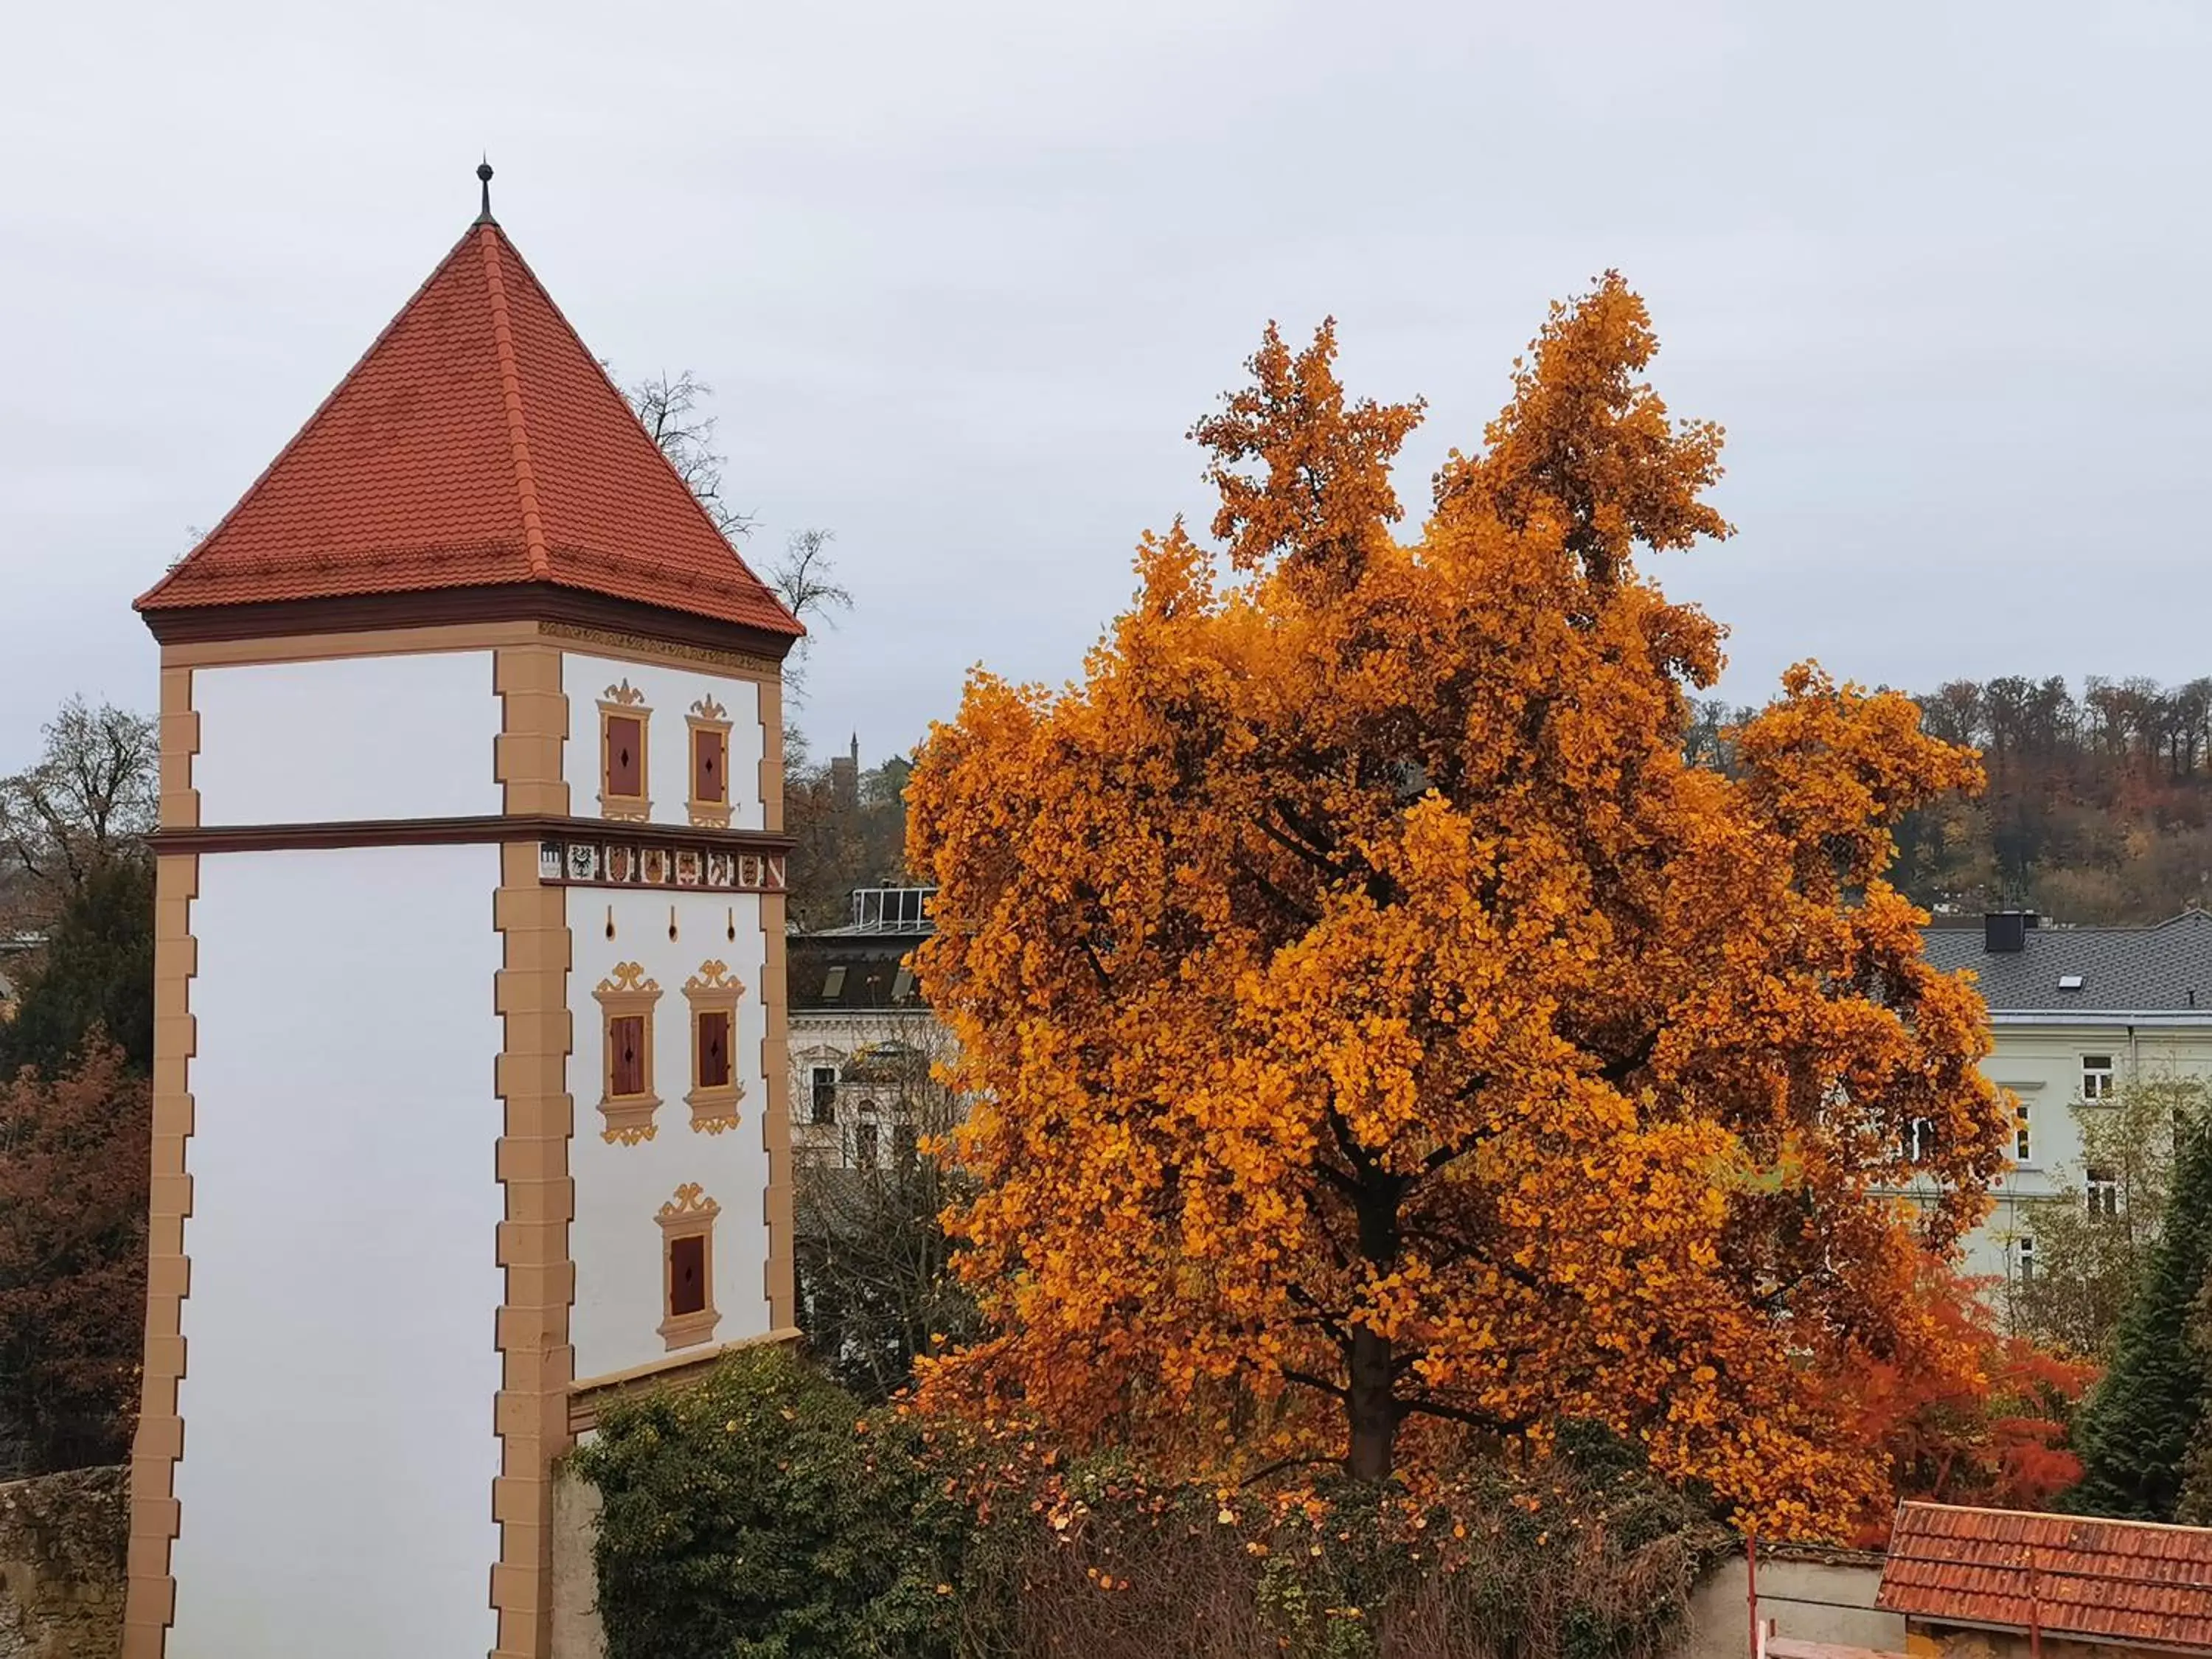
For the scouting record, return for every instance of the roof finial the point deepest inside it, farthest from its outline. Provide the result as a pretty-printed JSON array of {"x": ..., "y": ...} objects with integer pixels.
[{"x": 484, "y": 173}]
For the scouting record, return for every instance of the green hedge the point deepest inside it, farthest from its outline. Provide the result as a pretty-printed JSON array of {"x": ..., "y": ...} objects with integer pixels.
[
  {"x": 765, "y": 1512},
  {"x": 750, "y": 1517}
]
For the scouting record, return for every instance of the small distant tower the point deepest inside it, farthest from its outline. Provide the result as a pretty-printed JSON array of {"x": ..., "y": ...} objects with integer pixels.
[
  {"x": 469, "y": 1057},
  {"x": 845, "y": 779}
]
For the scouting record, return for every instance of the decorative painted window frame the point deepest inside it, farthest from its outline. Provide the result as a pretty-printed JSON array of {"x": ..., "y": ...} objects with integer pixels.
[
  {"x": 624, "y": 701},
  {"x": 708, "y": 717},
  {"x": 714, "y": 990},
  {"x": 626, "y": 994},
  {"x": 688, "y": 1214}
]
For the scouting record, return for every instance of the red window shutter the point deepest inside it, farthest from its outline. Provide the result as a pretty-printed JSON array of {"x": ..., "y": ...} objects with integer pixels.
[
  {"x": 708, "y": 763},
  {"x": 713, "y": 1049},
  {"x": 687, "y": 1275},
  {"x": 625, "y": 757},
  {"x": 626, "y": 1055}
]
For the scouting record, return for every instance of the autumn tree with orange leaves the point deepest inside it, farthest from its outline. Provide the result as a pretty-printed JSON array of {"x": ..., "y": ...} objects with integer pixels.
[{"x": 1382, "y": 1035}]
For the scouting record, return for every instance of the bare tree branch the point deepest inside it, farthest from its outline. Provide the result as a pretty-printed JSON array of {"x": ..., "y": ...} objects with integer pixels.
[{"x": 674, "y": 414}]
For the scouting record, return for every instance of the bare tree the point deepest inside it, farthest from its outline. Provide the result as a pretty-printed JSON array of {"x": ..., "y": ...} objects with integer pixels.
[
  {"x": 805, "y": 578},
  {"x": 674, "y": 414},
  {"x": 876, "y": 1286},
  {"x": 804, "y": 575},
  {"x": 91, "y": 796}
]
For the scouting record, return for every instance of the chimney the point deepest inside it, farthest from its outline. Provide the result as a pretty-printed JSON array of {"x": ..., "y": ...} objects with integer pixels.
[{"x": 2004, "y": 932}]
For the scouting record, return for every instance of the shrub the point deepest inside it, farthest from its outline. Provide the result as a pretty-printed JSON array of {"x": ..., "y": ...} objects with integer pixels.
[
  {"x": 753, "y": 1515},
  {"x": 1586, "y": 1555},
  {"x": 761, "y": 1514}
]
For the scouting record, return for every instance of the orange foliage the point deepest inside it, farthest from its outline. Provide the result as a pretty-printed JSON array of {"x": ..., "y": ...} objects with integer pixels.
[
  {"x": 1975, "y": 1417},
  {"x": 1381, "y": 1033}
]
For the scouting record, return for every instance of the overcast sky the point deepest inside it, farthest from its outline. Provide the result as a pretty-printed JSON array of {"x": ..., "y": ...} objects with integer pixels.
[{"x": 963, "y": 275}]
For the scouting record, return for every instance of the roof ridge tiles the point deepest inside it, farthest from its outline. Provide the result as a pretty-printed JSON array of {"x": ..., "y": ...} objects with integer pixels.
[{"x": 502, "y": 335}]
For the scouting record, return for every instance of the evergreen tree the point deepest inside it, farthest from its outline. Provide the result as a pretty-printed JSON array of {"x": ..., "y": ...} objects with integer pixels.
[
  {"x": 2136, "y": 1433},
  {"x": 2194, "y": 1508},
  {"x": 96, "y": 974}
]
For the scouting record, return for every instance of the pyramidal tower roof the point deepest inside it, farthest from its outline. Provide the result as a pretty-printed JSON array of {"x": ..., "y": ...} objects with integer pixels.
[{"x": 477, "y": 444}]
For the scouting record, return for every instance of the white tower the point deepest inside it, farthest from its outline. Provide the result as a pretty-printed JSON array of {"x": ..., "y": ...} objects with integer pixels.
[{"x": 469, "y": 1055}]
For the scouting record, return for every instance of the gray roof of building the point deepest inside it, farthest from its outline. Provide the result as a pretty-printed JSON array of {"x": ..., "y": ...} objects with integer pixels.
[
  {"x": 847, "y": 969},
  {"x": 2165, "y": 967}
]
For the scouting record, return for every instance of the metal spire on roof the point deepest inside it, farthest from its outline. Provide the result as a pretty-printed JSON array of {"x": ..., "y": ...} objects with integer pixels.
[{"x": 484, "y": 173}]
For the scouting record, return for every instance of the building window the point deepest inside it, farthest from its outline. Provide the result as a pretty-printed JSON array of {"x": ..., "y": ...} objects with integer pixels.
[
  {"x": 710, "y": 725},
  {"x": 823, "y": 1089},
  {"x": 2102, "y": 1187},
  {"x": 864, "y": 1146},
  {"x": 833, "y": 984},
  {"x": 626, "y": 1050},
  {"x": 903, "y": 984},
  {"x": 1920, "y": 1140},
  {"x": 2024, "y": 1252},
  {"x": 687, "y": 1253},
  {"x": 2096, "y": 1076},
  {"x": 905, "y": 1145},
  {"x": 713, "y": 1049},
  {"x": 624, "y": 725},
  {"x": 626, "y": 999},
  {"x": 2023, "y": 1142},
  {"x": 712, "y": 994}
]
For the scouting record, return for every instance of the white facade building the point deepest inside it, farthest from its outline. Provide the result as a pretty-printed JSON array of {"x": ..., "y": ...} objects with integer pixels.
[
  {"x": 469, "y": 1049},
  {"x": 2076, "y": 1014},
  {"x": 863, "y": 1043}
]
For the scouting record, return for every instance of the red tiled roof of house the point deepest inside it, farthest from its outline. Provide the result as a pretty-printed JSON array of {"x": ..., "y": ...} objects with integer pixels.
[
  {"x": 2106, "y": 1581},
  {"x": 477, "y": 443}
]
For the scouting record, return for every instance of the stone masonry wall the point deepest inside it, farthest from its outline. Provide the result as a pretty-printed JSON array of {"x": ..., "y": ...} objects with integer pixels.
[
  {"x": 63, "y": 1540},
  {"x": 576, "y": 1631}
]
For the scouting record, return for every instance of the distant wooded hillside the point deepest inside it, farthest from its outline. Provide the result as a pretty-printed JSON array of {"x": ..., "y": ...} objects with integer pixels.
[{"x": 2099, "y": 806}]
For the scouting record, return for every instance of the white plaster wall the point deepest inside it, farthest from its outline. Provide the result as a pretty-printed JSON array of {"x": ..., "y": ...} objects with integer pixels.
[
  {"x": 669, "y": 693},
  {"x": 616, "y": 1240},
  {"x": 2042, "y": 1065},
  {"x": 336, "y": 1484},
  {"x": 398, "y": 737},
  {"x": 1806, "y": 1601}
]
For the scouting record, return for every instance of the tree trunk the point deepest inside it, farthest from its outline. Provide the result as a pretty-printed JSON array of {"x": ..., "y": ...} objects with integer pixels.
[{"x": 1369, "y": 1411}]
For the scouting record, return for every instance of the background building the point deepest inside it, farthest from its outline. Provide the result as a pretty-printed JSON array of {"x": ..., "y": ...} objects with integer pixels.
[
  {"x": 862, "y": 1040},
  {"x": 1976, "y": 1583},
  {"x": 2076, "y": 1014}
]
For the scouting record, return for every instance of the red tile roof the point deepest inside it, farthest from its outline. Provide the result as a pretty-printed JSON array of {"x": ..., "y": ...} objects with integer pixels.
[
  {"x": 476, "y": 443},
  {"x": 2106, "y": 1581}
]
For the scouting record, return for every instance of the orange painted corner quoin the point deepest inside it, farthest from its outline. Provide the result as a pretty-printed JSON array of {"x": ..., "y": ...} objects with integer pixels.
[
  {"x": 160, "y": 1441},
  {"x": 537, "y": 1363},
  {"x": 516, "y": 508}
]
